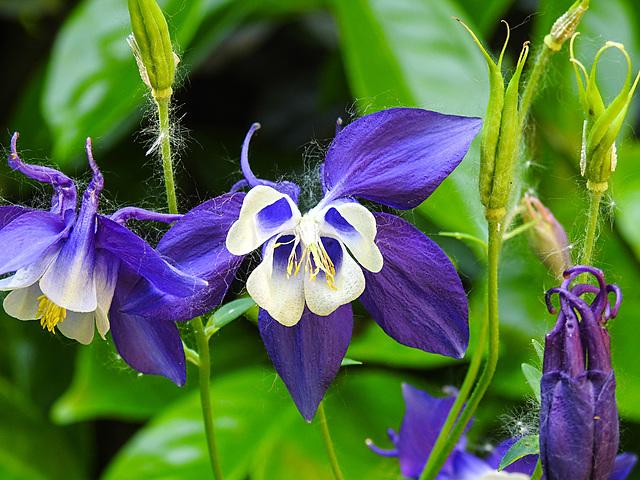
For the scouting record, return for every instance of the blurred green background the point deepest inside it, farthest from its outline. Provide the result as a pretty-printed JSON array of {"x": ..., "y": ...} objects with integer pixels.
[{"x": 68, "y": 411}]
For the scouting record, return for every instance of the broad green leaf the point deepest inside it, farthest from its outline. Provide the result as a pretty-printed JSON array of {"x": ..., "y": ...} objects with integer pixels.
[
  {"x": 539, "y": 349},
  {"x": 229, "y": 312},
  {"x": 533, "y": 377},
  {"x": 412, "y": 53},
  {"x": 30, "y": 447},
  {"x": 525, "y": 446},
  {"x": 104, "y": 386},
  {"x": 261, "y": 435}
]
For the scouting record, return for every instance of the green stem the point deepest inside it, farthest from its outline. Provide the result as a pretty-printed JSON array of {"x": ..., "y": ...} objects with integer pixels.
[
  {"x": 164, "y": 136},
  {"x": 537, "y": 473},
  {"x": 532, "y": 81},
  {"x": 495, "y": 242},
  {"x": 328, "y": 444},
  {"x": 592, "y": 225},
  {"x": 204, "y": 367},
  {"x": 463, "y": 395}
]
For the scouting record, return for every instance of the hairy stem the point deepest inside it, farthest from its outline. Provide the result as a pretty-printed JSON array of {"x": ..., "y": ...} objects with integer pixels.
[
  {"x": 204, "y": 367},
  {"x": 495, "y": 242},
  {"x": 326, "y": 436},
  {"x": 533, "y": 76},
  {"x": 592, "y": 226},
  {"x": 164, "y": 137}
]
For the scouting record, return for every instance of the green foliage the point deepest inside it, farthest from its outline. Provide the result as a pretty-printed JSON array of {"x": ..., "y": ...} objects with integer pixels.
[{"x": 525, "y": 446}]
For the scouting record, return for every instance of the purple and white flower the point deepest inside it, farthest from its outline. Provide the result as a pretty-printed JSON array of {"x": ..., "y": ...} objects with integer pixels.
[{"x": 68, "y": 264}]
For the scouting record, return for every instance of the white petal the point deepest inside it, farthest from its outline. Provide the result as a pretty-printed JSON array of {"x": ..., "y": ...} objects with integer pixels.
[
  {"x": 270, "y": 288},
  {"x": 78, "y": 326},
  {"x": 255, "y": 225},
  {"x": 102, "y": 322},
  {"x": 105, "y": 276},
  {"x": 31, "y": 273},
  {"x": 23, "y": 303},
  {"x": 349, "y": 281},
  {"x": 358, "y": 234}
]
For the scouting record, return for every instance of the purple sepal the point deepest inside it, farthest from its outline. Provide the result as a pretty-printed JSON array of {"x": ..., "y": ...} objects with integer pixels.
[
  {"x": 144, "y": 260},
  {"x": 308, "y": 355},
  {"x": 623, "y": 466},
  {"x": 196, "y": 245},
  {"x": 150, "y": 346},
  {"x": 134, "y": 213},
  {"x": 417, "y": 298},
  {"x": 27, "y": 237},
  {"x": 396, "y": 157},
  {"x": 9, "y": 213}
]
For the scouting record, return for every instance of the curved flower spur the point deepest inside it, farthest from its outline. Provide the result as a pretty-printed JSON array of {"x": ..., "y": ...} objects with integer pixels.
[
  {"x": 67, "y": 263},
  {"x": 314, "y": 265}
]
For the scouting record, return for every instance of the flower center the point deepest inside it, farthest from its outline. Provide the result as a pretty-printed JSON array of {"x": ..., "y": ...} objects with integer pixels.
[
  {"x": 314, "y": 255},
  {"x": 49, "y": 313}
]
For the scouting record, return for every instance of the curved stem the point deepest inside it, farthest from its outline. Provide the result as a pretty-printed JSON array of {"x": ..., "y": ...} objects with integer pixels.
[
  {"x": 204, "y": 367},
  {"x": 495, "y": 242},
  {"x": 164, "y": 137},
  {"x": 326, "y": 436},
  {"x": 592, "y": 225},
  {"x": 533, "y": 76}
]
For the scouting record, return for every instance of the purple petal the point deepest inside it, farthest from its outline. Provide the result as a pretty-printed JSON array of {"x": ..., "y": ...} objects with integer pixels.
[
  {"x": 623, "y": 466},
  {"x": 150, "y": 346},
  {"x": 467, "y": 466},
  {"x": 423, "y": 419},
  {"x": 308, "y": 355},
  {"x": 398, "y": 156},
  {"x": 605, "y": 425},
  {"x": 417, "y": 298},
  {"x": 127, "y": 213},
  {"x": 10, "y": 212},
  {"x": 27, "y": 237},
  {"x": 196, "y": 244},
  {"x": 143, "y": 259}
]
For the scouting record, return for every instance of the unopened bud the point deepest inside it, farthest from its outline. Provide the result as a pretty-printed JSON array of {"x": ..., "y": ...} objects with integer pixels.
[
  {"x": 547, "y": 238},
  {"x": 151, "y": 45},
  {"x": 602, "y": 124},
  {"x": 564, "y": 28}
]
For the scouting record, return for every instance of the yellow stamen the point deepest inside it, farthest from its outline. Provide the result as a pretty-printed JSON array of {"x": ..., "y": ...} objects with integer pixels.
[{"x": 49, "y": 313}]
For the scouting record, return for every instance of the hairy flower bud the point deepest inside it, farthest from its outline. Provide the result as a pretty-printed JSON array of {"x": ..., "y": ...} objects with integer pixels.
[
  {"x": 564, "y": 28},
  {"x": 578, "y": 415},
  {"x": 501, "y": 134},
  {"x": 151, "y": 46},
  {"x": 547, "y": 237},
  {"x": 602, "y": 124}
]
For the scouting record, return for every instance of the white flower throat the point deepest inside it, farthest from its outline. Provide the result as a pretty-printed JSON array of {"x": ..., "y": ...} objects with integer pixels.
[{"x": 314, "y": 255}]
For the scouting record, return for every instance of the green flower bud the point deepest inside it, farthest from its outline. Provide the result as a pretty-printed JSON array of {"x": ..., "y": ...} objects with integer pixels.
[
  {"x": 602, "y": 124},
  {"x": 563, "y": 29},
  {"x": 547, "y": 238},
  {"x": 151, "y": 46},
  {"x": 501, "y": 133}
]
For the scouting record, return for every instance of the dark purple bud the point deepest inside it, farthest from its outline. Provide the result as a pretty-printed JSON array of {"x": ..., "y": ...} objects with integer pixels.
[{"x": 579, "y": 416}]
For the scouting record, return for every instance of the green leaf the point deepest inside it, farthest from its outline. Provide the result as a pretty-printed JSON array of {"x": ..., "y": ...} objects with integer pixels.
[
  {"x": 260, "y": 433},
  {"x": 30, "y": 447},
  {"x": 229, "y": 312},
  {"x": 525, "y": 446},
  {"x": 539, "y": 349},
  {"x": 104, "y": 386},
  {"x": 533, "y": 377},
  {"x": 348, "y": 361}
]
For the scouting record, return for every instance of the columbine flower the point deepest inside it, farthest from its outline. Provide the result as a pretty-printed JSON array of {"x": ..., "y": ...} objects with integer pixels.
[
  {"x": 68, "y": 265},
  {"x": 314, "y": 265},
  {"x": 578, "y": 416},
  {"x": 424, "y": 418}
]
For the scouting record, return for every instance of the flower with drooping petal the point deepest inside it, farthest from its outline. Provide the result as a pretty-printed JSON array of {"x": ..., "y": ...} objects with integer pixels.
[
  {"x": 424, "y": 418},
  {"x": 315, "y": 264},
  {"x": 578, "y": 416},
  {"x": 68, "y": 264}
]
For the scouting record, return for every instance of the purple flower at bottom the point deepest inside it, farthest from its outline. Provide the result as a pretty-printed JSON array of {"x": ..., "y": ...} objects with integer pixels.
[
  {"x": 578, "y": 416},
  {"x": 69, "y": 268},
  {"x": 314, "y": 265}
]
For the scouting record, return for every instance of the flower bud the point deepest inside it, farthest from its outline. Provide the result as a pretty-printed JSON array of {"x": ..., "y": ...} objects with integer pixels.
[
  {"x": 501, "y": 133},
  {"x": 547, "y": 238},
  {"x": 151, "y": 46},
  {"x": 578, "y": 415},
  {"x": 563, "y": 28},
  {"x": 602, "y": 124}
]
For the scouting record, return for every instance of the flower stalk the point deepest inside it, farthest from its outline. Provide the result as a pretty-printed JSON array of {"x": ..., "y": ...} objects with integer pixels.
[{"x": 328, "y": 443}]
